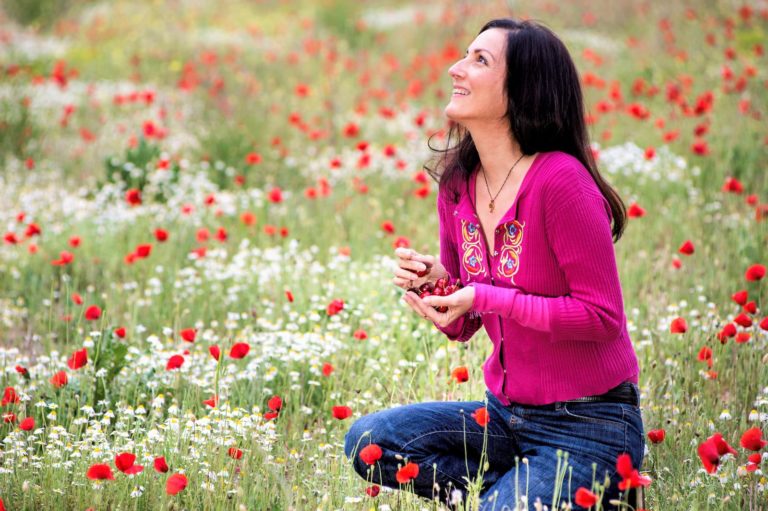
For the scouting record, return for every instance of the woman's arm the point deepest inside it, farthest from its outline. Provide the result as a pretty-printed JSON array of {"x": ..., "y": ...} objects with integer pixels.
[
  {"x": 579, "y": 233},
  {"x": 465, "y": 326}
]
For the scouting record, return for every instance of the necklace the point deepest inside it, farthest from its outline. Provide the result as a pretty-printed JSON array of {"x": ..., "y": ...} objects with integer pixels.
[{"x": 493, "y": 198}]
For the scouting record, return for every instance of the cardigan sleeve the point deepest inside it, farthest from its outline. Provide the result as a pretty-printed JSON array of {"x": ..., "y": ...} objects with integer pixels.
[
  {"x": 464, "y": 327},
  {"x": 579, "y": 233}
]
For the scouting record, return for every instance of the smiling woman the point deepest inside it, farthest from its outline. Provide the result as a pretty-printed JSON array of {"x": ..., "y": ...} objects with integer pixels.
[{"x": 532, "y": 246}]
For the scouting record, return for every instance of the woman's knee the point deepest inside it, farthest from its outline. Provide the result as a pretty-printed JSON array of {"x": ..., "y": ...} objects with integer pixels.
[{"x": 359, "y": 435}]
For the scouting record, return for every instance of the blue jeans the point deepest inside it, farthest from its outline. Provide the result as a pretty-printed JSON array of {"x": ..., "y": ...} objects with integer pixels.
[{"x": 446, "y": 443}]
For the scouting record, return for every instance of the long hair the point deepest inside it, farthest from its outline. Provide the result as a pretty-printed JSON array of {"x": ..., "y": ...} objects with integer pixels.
[{"x": 545, "y": 110}]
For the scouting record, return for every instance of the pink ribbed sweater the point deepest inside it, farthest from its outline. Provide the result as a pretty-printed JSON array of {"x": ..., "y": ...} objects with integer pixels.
[{"x": 549, "y": 297}]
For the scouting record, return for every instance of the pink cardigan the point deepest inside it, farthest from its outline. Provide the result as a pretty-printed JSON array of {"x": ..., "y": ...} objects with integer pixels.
[{"x": 549, "y": 297}]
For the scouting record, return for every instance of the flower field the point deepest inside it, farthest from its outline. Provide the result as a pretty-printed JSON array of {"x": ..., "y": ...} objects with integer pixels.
[{"x": 200, "y": 204}]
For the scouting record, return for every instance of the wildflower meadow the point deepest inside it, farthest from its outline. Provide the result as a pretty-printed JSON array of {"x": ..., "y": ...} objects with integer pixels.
[{"x": 199, "y": 206}]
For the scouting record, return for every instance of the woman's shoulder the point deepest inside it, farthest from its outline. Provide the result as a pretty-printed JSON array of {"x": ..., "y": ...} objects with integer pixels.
[{"x": 563, "y": 177}]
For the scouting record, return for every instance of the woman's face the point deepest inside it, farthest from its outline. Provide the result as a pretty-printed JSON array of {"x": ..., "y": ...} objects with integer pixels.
[{"x": 478, "y": 80}]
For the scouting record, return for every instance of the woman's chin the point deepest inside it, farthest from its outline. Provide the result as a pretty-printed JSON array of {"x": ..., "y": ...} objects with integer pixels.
[{"x": 452, "y": 112}]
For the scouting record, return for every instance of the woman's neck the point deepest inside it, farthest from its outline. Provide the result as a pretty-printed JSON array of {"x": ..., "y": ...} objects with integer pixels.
[{"x": 497, "y": 149}]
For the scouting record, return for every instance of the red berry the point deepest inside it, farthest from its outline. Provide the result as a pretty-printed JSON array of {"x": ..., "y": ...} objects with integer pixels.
[
  {"x": 424, "y": 294},
  {"x": 426, "y": 287},
  {"x": 442, "y": 308},
  {"x": 425, "y": 271},
  {"x": 442, "y": 282}
]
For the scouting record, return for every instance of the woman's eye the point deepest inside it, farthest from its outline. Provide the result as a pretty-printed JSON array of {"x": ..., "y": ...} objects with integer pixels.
[{"x": 482, "y": 59}]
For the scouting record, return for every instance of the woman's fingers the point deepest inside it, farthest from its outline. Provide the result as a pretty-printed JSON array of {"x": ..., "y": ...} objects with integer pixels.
[{"x": 413, "y": 266}]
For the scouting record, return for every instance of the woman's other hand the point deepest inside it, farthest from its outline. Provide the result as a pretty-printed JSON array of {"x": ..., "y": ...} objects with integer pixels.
[
  {"x": 411, "y": 264},
  {"x": 455, "y": 305}
]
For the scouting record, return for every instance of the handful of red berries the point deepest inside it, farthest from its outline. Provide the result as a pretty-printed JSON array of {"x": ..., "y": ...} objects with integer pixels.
[{"x": 442, "y": 287}]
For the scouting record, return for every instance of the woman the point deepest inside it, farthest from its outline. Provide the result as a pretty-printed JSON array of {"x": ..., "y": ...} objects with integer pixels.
[{"x": 525, "y": 224}]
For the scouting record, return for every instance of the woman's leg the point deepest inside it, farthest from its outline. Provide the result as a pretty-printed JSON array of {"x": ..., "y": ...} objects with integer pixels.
[
  {"x": 593, "y": 435},
  {"x": 439, "y": 434}
]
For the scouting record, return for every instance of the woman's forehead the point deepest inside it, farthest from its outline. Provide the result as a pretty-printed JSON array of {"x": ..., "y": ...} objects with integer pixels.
[{"x": 492, "y": 40}]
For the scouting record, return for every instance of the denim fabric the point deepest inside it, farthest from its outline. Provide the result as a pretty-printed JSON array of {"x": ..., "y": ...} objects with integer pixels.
[{"x": 443, "y": 435}]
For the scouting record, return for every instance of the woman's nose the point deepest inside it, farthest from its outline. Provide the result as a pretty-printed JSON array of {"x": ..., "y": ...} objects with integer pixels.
[{"x": 456, "y": 70}]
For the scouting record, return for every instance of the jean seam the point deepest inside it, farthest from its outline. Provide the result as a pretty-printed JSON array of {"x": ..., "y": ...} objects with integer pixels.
[
  {"x": 594, "y": 420},
  {"x": 448, "y": 431}
]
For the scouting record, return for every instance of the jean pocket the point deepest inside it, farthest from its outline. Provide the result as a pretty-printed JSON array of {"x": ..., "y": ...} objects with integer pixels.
[{"x": 607, "y": 414}]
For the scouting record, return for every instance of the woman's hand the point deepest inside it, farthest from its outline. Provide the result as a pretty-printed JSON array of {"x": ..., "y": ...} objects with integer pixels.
[
  {"x": 458, "y": 304},
  {"x": 410, "y": 262}
]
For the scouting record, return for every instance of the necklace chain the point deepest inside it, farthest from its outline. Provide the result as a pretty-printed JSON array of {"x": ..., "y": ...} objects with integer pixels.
[{"x": 491, "y": 204}]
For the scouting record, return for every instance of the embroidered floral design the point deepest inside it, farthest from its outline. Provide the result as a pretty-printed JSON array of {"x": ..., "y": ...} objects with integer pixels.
[
  {"x": 509, "y": 262},
  {"x": 472, "y": 257}
]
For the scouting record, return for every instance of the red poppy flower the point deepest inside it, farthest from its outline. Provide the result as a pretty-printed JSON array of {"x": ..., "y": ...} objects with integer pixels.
[
  {"x": 175, "y": 484},
  {"x": 33, "y": 230},
  {"x": 215, "y": 352},
  {"x": 750, "y": 307},
  {"x": 656, "y": 436},
  {"x": 10, "y": 396},
  {"x": 133, "y": 197},
  {"x": 764, "y": 323},
  {"x": 9, "y": 417},
  {"x": 705, "y": 355},
  {"x": 585, "y": 498},
  {"x": 270, "y": 415},
  {"x": 460, "y": 374},
  {"x": 370, "y": 454},
  {"x": 335, "y": 307},
  {"x": 686, "y": 248},
  {"x": 125, "y": 463},
  {"x": 239, "y": 350},
  {"x": 275, "y": 403},
  {"x": 678, "y": 326},
  {"x": 248, "y": 218},
  {"x": 143, "y": 250},
  {"x": 78, "y": 359},
  {"x": 28, "y": 424},
  {"x": 120, "y": 332},
  {"x": 160, "y": 464},
  {"x": 743, "y": 320},
  {"x": 388, "y": 227},
  {"x": 755, "y": 272},
  {"x": 740, "y": 297},
  {"x": 327, "y": 369},
  {"x": 360, "y": 334},
  {"x": 371, "y": 491},
  {"x": 631, "y": 478},
  {"x": 59, "y": 379},
  {"x": 253, "y": 158},
  {"x": 212, "y": 402},
  {"x": 64, "y": 259},
  {"x": 235, "y": 453},
  {"x": 752, "y": 439},
  {"x": 732, "y": 185},
  {"x": 174, "y": 362},
  {"x": 93, "y": 313},
  {"x": 635, "y": 211},
  {"x": 709, "y": 457},
  {"x": 99, "y": 472},
  {"x": 406, "y": 473},
  {"x": 341, "y": 412},
  {"x": 74, "y": 241},
  {"x": 22, "y": 371},
  {"x": 729, "y": 330},
  {"x": 481, "y": 416},
  {"x": 275, "y": 195},
  {"x": 188, "y": 334},
  {"x": 161, "y": 235}
]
